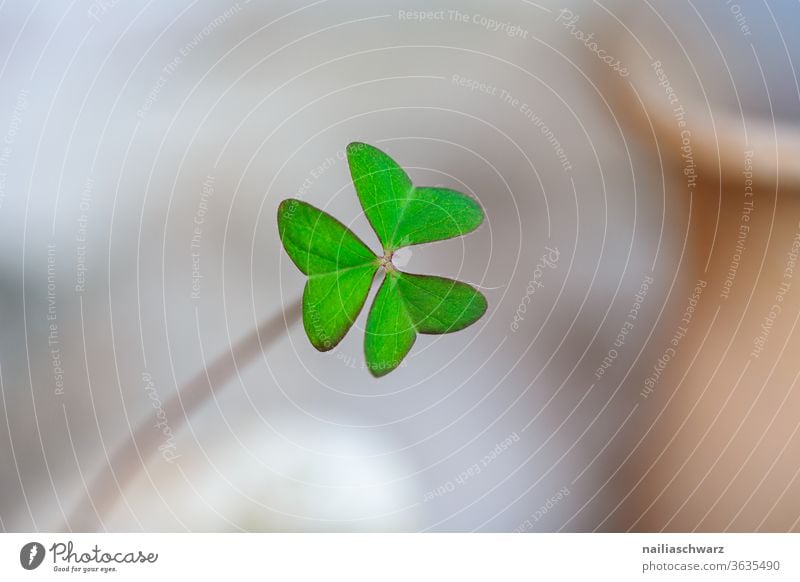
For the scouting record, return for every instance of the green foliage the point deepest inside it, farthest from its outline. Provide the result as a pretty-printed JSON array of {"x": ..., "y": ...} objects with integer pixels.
[
  {"x": 341, "y": 268},
  {"x": 401, "y": 214},
  {"x": 407, "y": 304}
]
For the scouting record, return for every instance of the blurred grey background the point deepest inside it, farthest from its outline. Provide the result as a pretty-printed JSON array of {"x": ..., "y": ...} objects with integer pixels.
[{"x": 147, "y": 146}]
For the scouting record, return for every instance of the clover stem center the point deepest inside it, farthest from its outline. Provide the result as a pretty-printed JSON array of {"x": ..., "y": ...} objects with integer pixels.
[{"x": 386, "y": 261}]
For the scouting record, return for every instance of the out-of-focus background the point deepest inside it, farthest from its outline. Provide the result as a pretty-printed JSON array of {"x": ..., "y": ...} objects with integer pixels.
[{"x": 635, "y": 369}]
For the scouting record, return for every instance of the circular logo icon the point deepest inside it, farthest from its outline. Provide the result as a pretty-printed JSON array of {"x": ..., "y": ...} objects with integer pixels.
[{"x": 31, "y": 555}]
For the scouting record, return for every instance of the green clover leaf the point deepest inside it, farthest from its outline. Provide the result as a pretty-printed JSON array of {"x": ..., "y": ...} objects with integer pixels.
[
  {"x": 341, "y": 268},
  {"x": 401, "y": 214}
]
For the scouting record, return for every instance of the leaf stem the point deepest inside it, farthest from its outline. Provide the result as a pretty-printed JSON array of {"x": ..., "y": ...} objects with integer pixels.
[{"x": 130, "y": 458}]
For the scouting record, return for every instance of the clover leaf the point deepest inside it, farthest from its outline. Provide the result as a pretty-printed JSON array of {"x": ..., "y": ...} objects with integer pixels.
[
  {"x": 341, "y": 268},
  {"x": 401, "y": 214}
]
